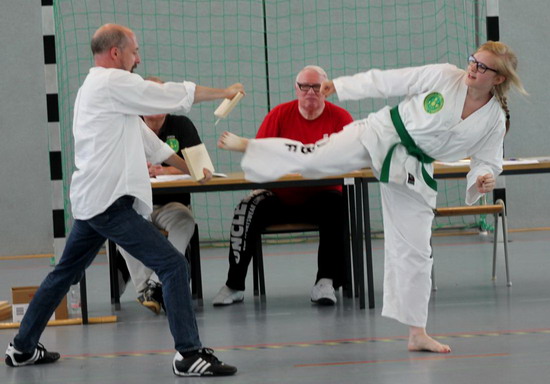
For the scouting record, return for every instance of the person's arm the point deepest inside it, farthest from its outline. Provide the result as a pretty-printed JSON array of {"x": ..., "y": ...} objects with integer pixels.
[
  {"x": 208, "y": 94},
  {"x": 157, "y": 169},
  {"x": 388, "y": 83},
  {"x": 179, "y": 163},
  {"x": 130, "y": 94},
  {"x": 485, "y": 166}
]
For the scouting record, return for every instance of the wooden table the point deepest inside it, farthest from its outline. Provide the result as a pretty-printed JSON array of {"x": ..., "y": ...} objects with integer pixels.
[{"x": 351, "y": 181}]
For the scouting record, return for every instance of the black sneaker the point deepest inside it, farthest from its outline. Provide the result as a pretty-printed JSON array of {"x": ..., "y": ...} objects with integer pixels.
[
  {"x": 203, "y": 363},
  {"x": 157, "y": 296},
  {"x": 14, "y": 358},
  {"x": 149, "y": 299}
]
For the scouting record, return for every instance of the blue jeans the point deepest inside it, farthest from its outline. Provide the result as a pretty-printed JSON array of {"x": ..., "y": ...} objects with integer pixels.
[{"x": 124, "y": 226}]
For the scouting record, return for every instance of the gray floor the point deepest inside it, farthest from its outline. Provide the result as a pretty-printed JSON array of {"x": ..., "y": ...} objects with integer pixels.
[{"x": 498, "y": 334}]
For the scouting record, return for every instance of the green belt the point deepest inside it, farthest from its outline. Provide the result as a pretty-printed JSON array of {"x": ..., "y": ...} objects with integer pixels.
[{"x": 412, "y": 149}]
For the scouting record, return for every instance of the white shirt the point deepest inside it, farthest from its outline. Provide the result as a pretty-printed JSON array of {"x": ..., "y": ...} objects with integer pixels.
[
  {"x": 113, "y": 144},
  {"x": 441, "y": 134}
]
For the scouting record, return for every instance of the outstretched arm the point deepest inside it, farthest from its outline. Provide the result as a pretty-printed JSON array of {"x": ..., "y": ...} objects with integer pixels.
[{"x": 208, "y": 94}]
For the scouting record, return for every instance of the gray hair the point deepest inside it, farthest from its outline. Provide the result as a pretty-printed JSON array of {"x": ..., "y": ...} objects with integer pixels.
[
  {"x": 108, "y": 36},
  {"x": 315, "y": 68}
]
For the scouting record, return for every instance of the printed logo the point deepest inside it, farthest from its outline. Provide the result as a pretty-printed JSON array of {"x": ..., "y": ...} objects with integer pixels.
[
  {"x": 173, "y": 143},
  {"x": 410, "y": 179},
  {"x": 434, "y": 102},
  {"x": 305, "y": 149}
]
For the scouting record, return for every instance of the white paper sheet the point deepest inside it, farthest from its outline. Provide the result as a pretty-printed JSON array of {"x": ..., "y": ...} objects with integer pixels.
[{"x": 461, "y": 163}]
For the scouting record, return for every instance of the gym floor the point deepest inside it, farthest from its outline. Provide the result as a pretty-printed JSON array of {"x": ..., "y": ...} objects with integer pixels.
[{"x": 498, "y": 334}]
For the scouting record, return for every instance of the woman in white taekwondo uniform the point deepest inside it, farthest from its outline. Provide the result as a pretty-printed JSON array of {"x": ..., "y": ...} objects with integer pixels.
[{"x": 447, "y": 114}]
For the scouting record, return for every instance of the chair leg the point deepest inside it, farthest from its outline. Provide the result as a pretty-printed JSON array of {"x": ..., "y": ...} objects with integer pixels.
[
  {"x": 505, "y": 239},
  {"x": 256, "y": 253},
  {"x": 495, "y": 244},
  {"x": 434, "y": 286},
  {"x": 261, "y": 275}
]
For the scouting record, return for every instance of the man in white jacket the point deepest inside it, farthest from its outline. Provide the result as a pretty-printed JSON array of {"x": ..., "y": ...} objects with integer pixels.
[{"x": 111, "y": 192}]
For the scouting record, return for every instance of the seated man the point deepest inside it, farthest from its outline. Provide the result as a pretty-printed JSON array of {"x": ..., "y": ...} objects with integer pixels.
[
  {"x": 307, "y": 119},
  {"x": 171, "y": 213}
]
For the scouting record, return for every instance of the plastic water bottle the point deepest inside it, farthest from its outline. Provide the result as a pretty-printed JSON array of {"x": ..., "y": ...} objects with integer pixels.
[{"x": 74, "y": 299}]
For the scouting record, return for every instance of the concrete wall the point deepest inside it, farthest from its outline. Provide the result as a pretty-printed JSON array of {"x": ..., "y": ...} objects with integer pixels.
[
  {"x": 25, "y": 191},
  {"x": 525, "y": 27}
]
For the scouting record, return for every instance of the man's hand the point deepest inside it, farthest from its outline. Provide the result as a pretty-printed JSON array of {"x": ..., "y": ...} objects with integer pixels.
[
  {"x": 207, "y": 176},
  {"x": 485, "y": 183},
  {"x": 327, "y": 88},
  {"x": 233, "y": 89},
  {"x": 155, "y": 169}
]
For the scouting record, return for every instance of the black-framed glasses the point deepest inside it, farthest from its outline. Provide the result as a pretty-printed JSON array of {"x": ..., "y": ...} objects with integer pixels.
[
  {"x": 306, "y": 87},
  {"x": 481, "y": 68}
]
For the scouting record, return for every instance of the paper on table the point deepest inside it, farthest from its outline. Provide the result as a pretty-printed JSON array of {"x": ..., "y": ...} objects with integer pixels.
[
  {"x": 161, "y": 178},
  {"x": 520, "y": 161},
  {"x": 505, "y": 162},
  {"x": 459, "y": 163}
]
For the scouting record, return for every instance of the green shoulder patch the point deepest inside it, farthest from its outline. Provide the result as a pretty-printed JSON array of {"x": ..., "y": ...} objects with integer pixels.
[
  {"x": 173, "y": 143},
  {"x": 434, "y": 102}
]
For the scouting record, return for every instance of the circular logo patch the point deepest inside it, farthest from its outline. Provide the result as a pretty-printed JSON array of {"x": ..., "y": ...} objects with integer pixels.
[
  {"x": 173, "y": 143},
  {"x": 433, "y": 103}
]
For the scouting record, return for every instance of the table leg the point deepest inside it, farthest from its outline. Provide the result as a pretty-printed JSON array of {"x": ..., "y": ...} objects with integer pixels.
[
  {"x": 354, "y": 235},
  {"x": 368, "y": 243},
  {"x": 359, "y": 242},
  {"x": 348, "y": 287}
]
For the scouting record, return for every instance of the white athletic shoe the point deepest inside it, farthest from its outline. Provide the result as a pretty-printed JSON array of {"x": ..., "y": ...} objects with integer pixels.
[
  {"x": 228, "y": 296},
  {"x": 322, "y": 293}
]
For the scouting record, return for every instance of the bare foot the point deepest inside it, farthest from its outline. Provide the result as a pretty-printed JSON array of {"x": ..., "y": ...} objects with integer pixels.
[
  {"x": 419, "y": 340},
  {"x": 232, "y": 142}
]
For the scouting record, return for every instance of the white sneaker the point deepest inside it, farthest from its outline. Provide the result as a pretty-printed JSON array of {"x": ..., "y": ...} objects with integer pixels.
[
  {"x": 228, "y": 296},
  {"x": 322, "y": 293}
]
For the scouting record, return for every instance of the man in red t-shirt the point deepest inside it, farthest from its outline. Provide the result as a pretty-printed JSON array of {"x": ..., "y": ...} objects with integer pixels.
[{"x": 308, "y": 119}]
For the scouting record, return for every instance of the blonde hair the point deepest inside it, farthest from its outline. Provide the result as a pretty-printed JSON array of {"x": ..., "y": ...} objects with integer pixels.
[{"x": 506, "y": 65}]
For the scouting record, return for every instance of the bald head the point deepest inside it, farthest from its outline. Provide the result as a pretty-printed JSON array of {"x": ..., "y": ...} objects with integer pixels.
[
  {"x": 108, "y": 36},
  {"x": 115, "y": 46}
]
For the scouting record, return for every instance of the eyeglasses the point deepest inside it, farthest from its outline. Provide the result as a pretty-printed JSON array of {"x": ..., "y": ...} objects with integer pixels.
[
  {"x": 481, "y": 68},
  {"x": 306, "y": 87}
]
